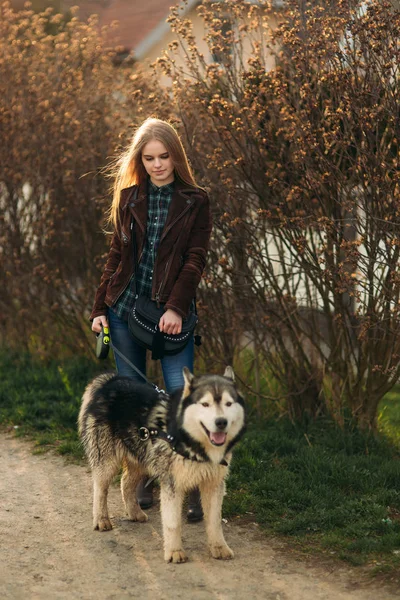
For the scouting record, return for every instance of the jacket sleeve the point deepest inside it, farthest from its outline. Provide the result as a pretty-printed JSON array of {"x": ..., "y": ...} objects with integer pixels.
[
  {"x": 113, "y": 260},
  {"x": 194, "y": 261}
]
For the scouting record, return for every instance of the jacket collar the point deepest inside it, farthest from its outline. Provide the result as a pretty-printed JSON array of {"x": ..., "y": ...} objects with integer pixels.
[
  {"x": 182, "y": 197},
  {"x": 180, "y": 189}
]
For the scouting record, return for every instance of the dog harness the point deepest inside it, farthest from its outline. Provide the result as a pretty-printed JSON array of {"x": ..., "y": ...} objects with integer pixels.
[{"x": 153, "y": 433}]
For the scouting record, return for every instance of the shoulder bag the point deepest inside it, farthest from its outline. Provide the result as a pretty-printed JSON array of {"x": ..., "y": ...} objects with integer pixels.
[{"x": 143, "y": 325}]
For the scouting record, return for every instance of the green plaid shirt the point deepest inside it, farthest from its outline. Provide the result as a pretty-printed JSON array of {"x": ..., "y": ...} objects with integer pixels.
[{"x": 159, "y": 200}]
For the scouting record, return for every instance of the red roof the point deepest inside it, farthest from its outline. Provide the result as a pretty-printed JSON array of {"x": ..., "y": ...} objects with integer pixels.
[{"x": 137, "y": 18}]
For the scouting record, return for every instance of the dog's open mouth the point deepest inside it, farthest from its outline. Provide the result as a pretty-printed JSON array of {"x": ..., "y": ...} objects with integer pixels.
[{"x": 217, "y": 438}]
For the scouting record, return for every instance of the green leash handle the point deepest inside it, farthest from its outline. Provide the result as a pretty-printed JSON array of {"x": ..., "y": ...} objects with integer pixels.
[{"x": 103, "y": 343}]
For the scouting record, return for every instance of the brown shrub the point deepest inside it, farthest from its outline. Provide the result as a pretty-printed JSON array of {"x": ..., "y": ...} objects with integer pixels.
[
  {"x": 302, "y": 164},
  {"x": 65, "y": 109}
]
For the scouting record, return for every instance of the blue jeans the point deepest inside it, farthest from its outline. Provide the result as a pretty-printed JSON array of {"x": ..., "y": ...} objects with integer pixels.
[{"x": 172, "y": 366}]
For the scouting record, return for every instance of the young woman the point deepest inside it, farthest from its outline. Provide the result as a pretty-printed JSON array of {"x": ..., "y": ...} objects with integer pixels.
[{"x": 158, "y": 210}]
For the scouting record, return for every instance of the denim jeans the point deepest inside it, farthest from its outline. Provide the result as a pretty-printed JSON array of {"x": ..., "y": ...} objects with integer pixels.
[{"x": 172, "y": 366}]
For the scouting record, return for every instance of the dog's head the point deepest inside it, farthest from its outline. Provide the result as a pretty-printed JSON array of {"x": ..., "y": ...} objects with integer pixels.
[{"x": 212, "y": 410}]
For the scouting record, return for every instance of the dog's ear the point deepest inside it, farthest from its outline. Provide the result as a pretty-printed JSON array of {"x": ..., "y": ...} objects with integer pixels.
[
  {"x": 229, "y": 373},
  {"x": 188, "y": 379}
]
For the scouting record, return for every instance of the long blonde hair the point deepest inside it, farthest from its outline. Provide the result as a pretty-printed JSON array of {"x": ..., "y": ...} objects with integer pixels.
[{"x": 129, "y": 170}]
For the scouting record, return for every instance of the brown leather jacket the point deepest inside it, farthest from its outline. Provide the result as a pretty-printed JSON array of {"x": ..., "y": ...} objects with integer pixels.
[{"x": 181, "y": 254}]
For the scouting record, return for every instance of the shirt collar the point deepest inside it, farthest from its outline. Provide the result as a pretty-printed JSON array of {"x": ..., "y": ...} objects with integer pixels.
[{"x": 166, "y": 189}]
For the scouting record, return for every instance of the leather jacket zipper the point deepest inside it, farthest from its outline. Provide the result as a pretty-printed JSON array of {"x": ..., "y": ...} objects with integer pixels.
[
  {"x": 166, "y": 271},
  {"x": 125, "y": 241},
  {"x": 176, "y": 220},
  {"x": 123, "y": 289}
]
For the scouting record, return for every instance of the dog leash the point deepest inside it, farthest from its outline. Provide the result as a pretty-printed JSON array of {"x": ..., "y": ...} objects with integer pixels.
[{"x": 142, "y": 375}]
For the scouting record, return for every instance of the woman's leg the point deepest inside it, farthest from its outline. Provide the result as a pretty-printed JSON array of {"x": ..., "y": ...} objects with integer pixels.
[
  {"x": 172, "y": 367},
  {"x": 124, "y": 342}
]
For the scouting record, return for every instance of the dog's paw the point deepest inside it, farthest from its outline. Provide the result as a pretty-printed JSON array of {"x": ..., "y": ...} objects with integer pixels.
[
  {"x": 175, "y": 556},
  {"x": 102, "y": 524},
  {"x": 221, "y": 552},
  {"x": 139, "y": 517}
]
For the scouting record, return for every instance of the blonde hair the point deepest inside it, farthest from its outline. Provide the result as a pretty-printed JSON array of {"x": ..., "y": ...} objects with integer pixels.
[{"x": 128, "y": 169}]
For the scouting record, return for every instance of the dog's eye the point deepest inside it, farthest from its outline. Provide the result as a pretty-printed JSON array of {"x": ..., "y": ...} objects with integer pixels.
[
  {"x": 229, "y": 404},
  {"x": 205, "y": 404}
]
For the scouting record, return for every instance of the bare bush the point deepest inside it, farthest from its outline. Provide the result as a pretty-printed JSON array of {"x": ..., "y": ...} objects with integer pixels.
[
  {"x": 64, "y": 110},
  {"x": 303, "y": 165}
]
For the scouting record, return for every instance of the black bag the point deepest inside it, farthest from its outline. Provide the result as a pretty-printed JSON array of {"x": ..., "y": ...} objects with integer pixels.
[{"x": 143, "y": 325}]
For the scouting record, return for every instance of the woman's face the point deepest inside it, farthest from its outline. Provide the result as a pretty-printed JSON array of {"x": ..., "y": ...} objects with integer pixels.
[{"x": 157, "y": 162}]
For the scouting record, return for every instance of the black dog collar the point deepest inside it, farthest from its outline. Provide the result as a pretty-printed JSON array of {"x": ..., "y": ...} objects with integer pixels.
[{"x": 153, "y": 433}]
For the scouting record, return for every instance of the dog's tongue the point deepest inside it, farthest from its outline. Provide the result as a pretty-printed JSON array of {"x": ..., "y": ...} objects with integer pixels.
[{"x": 218, "y": 437}]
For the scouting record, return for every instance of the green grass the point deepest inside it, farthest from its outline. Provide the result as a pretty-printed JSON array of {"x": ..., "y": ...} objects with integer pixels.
[
  {"x": 331, "y": 489},
  {"x": 389, "y": 415},
  {"x": 324, "y": 489},
  {"x": 42, "y": 400}
]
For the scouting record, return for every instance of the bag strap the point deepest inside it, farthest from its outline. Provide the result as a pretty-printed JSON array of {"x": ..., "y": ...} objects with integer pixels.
[
  {"x": 135, "y": 262},
  {"x": 197, "y": 337}
]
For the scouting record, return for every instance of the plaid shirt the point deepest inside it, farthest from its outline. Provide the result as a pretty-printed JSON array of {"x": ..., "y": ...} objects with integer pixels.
[{"x": 159, "y": 200}]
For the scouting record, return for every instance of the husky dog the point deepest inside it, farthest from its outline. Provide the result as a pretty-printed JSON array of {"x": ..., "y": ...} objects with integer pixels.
[{"x": 185, "y": 441}]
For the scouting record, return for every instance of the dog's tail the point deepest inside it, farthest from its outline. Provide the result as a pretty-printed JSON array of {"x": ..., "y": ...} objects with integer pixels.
[{"x": 87, "y": 398}]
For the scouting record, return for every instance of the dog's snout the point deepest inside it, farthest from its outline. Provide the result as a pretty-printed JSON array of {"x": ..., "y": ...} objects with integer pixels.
[{"x": 221, "y": 423}]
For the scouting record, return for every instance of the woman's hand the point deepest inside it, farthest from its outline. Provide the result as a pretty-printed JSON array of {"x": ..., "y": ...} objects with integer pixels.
[
  {"x": 170, "y": 322},
  {"x": 98, "y": 322}
]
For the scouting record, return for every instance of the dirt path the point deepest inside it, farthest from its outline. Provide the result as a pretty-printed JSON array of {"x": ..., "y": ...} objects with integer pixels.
[{"x": 49, "y": 551}]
